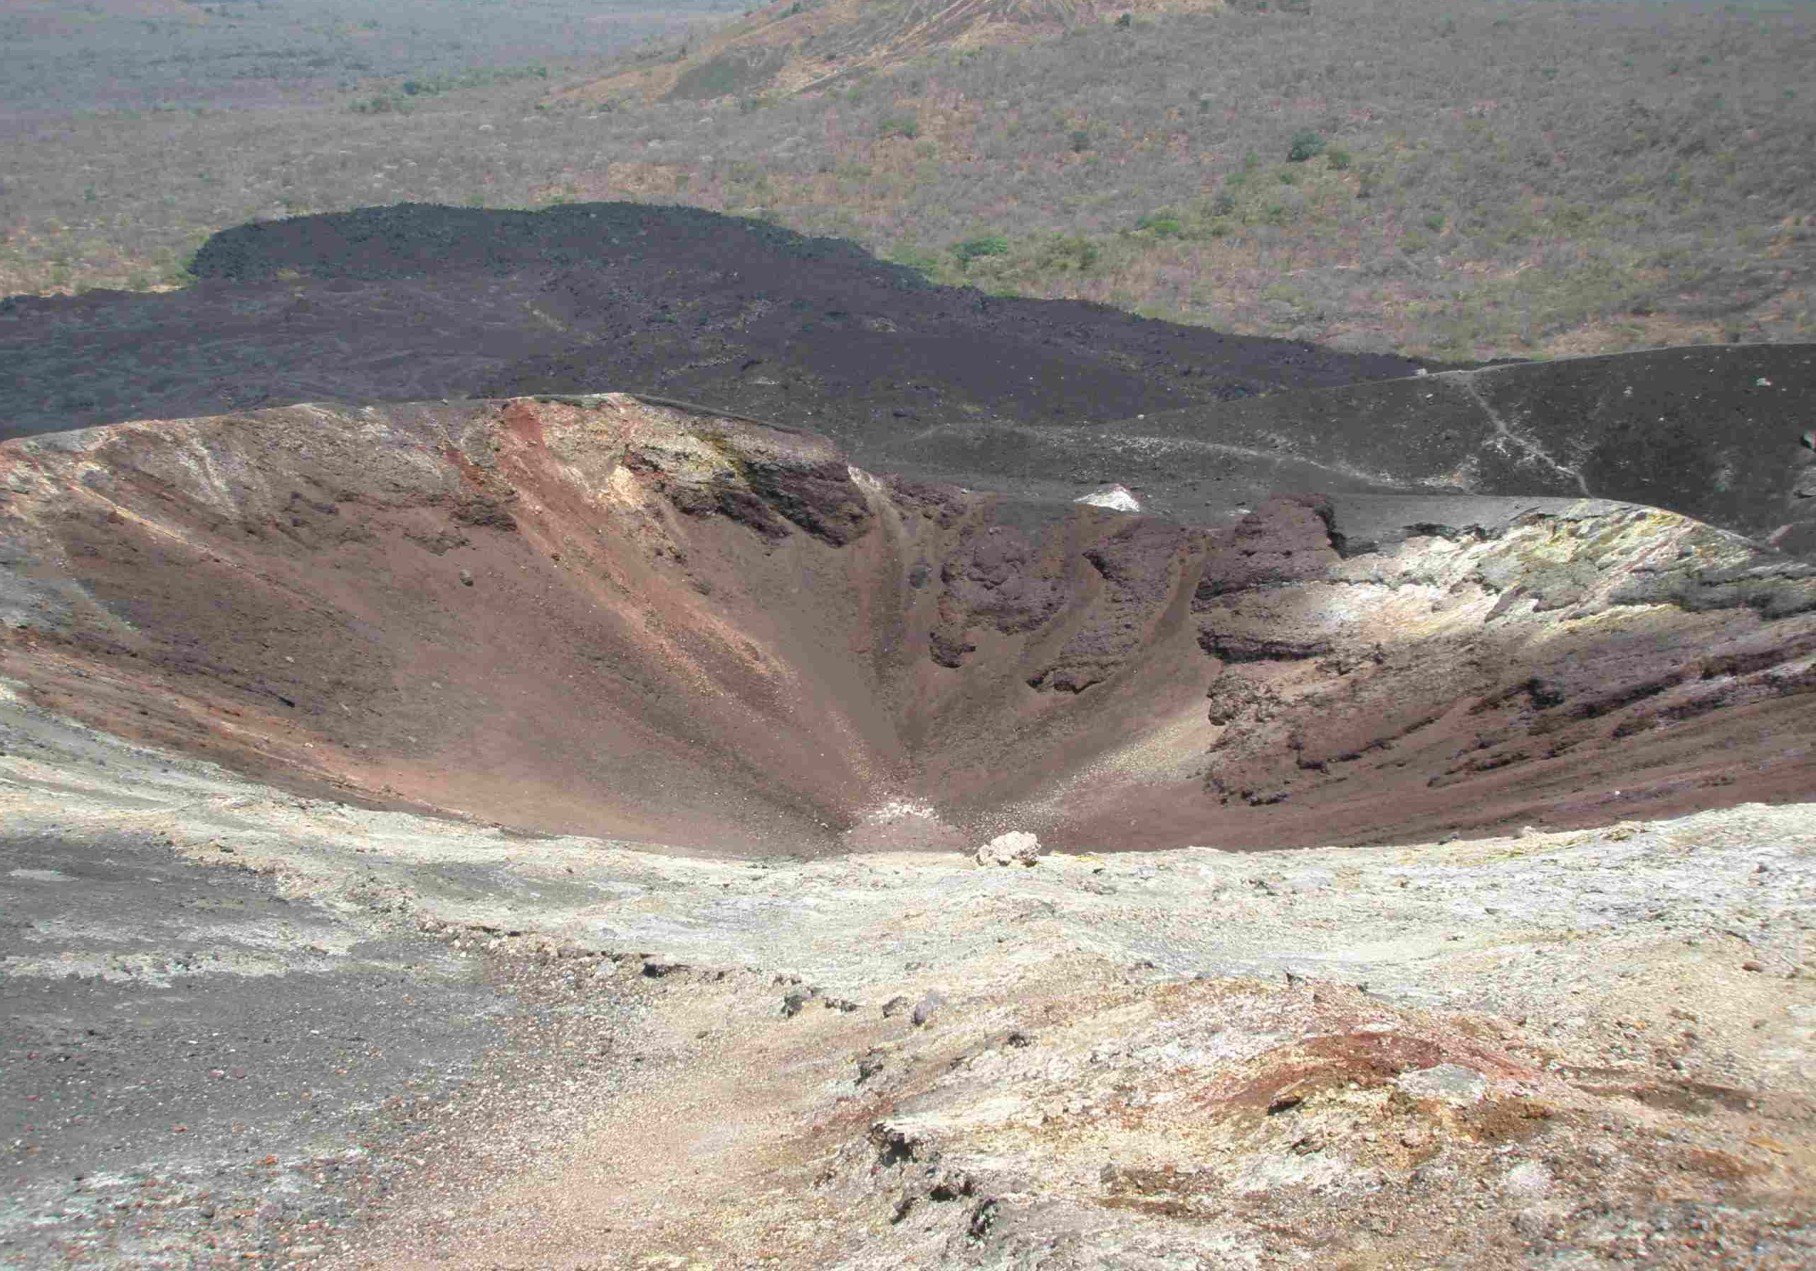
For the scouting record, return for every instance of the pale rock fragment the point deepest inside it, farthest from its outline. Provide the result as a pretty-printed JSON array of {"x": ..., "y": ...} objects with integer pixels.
[
  {"x": 1452, "y": 1082},
  {"x": 1118, "y": 498},
  {"x": 1017, "y": 847}
]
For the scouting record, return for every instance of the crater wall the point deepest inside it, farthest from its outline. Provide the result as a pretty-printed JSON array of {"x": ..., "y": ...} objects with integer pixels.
[{"x": 615, "y": 616}]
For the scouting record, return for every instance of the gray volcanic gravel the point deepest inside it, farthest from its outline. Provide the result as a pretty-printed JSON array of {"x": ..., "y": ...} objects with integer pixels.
[{"x": 187, "y": 1050}]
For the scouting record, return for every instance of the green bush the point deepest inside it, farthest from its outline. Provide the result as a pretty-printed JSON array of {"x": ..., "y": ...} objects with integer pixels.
[
  {"x": 901, "y": 126},
  {"x": 1068, "y": 252},
  {"x": 1305, "y": 144},
  {"x": 1337, "y": 159},
  {"x": 970, "y": 249},
  {"x": 1081, "y": 141}
]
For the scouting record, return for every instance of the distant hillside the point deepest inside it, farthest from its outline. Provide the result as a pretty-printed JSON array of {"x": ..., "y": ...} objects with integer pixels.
[
  {"x": 79, "y": 57},
  {"x": 796, "y": 46},
  {"x": 1496, "y": 178}
]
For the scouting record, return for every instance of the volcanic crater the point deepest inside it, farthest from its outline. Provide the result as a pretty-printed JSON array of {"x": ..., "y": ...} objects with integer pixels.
[
  {"x": 423, "y": 639},
  {"x": 1349, "y": 600},
  {"x": 618, "y": 616}
]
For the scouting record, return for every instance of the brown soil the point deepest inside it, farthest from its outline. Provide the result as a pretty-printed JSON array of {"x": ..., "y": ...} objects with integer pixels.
[{"x": 626, "y": 619}]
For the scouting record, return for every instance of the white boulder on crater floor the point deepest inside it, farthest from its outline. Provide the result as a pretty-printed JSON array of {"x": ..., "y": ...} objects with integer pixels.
[
  {"x": 1017, "y": 847},
  {"x": 1117, "y": 498}
]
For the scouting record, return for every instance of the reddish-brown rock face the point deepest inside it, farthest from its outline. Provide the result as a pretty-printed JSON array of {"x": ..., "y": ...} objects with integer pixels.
[{"x": 623, "y": 618}]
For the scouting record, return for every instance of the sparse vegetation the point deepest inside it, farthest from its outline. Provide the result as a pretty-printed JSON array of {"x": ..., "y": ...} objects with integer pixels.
[
  {"x": 400, "y": 97},
  {"x": 1470, "y": 206}
]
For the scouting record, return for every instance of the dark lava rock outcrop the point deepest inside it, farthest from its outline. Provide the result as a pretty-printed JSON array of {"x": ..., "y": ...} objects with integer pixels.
[
  {"x": 1725, "y": 434},
  {"x": 420, "y": 302},
  {"x": 608, "y": 615},
  {"x": 1043, "y": 398}
]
